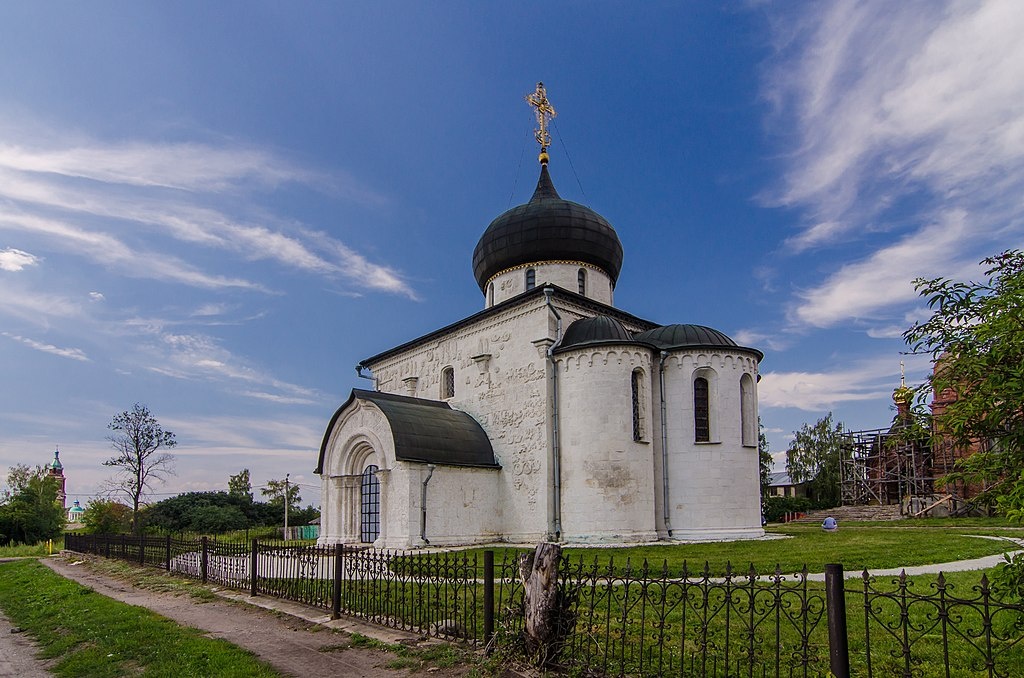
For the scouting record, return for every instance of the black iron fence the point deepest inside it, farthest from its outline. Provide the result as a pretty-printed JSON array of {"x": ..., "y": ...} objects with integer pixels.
[{"x": 625, "y": 619}]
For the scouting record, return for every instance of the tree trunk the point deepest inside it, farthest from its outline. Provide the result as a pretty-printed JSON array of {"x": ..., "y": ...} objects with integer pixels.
[{"x": 542, "y": 603}]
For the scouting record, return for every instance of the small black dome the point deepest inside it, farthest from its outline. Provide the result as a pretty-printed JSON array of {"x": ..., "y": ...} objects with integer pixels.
[
  {"x": 678, "y": 336},
  {"x": 547, "y": 228},
  {"x": 597, "y": 330}
]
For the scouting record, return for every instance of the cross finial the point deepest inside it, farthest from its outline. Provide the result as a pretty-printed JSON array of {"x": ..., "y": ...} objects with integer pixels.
[
  {"x": 903, "y": 381},
  {"x": 538, "y": 99}
]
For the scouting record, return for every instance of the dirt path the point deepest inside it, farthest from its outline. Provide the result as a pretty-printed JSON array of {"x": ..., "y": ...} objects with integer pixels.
[
  {"x": 291, "y": 645},
  {"x": 18, "y": 654}
]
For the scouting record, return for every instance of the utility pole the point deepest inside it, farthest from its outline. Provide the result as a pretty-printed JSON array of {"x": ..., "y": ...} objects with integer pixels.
[{"x": 286, "y": 502}]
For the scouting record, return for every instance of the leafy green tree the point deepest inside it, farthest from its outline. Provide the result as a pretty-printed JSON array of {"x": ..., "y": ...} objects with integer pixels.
[
  {"x": 138, "y": 438},
  {"x": 976, "y": 336},
  {"x": 105, "y": 516},
  {"x": 240, "y": 485},
  {"x": 275, "y": 491},
  {"x": 815, "y": 456},
  {"x": 30, "y": 512}
]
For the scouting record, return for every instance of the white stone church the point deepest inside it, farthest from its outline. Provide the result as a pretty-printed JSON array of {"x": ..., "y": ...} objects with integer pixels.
[{"x": 550, "y": 414}]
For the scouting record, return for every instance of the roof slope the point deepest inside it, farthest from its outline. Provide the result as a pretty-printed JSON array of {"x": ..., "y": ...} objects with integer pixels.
[{"x": 425, "y": 431}]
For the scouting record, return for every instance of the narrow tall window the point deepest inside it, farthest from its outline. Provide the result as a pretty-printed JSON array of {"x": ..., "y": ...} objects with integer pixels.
[
  {"x": 490, "y": 294},
  {"x": 448, "y": 382},
  {"x": 636, "y": 386},
  {"x": 701, "y": 411},
  {"x": 531, "y": 278},
  {"x": 748, "y": 424},
  {"x": 369, "y": 505},
  {"x": 581, "y": 281}
]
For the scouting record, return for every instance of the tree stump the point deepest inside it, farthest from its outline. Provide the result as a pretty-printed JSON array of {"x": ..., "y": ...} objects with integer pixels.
[{"x": 542, "y": 603}]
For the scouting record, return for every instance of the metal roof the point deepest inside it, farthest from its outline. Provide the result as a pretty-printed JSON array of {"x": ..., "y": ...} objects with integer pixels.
[
  {"x": 425, "y": 431},
  {"x": 547, "y": 228},
  {"x": 593, "y": 331},
  {"x": 686, "y": 336}
]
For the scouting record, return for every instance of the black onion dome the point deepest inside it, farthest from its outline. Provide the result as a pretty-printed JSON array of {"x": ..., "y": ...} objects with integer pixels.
[
  {"x": 684, "y": 336},
  {"x": 597, "y": 330},
  {"x": 547, "y": 228}
]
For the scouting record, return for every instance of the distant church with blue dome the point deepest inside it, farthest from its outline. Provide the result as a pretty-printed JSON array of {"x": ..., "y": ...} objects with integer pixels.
[{"x": 550, "y": 414}]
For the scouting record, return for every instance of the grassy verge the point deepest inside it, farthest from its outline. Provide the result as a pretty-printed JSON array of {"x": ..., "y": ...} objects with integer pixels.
[
  {"x": 96, "y": 636},
  {"x": 41, "y": 549}
]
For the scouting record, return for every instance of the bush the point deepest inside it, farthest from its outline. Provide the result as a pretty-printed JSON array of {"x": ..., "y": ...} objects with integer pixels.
[{"x": 776, "y": 507}]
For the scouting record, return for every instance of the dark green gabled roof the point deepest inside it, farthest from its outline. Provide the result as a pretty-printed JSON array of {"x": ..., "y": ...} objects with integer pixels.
[{"x": 425, "y": 431}]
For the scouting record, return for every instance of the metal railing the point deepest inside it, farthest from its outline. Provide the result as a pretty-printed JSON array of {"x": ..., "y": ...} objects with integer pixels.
[{"x": 625, "y": 619}]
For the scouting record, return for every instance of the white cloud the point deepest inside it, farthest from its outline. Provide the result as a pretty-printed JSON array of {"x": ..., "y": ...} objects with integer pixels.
[
  {"x": 910, "y": 143},
  {"x": 197, "y": 356},
  {"x": 860, "y": 289},
  {"x": 822, "y": 391},
  {"x": 15, "y": 260},
  {"x": 96, "y": 296},
  {"x": 167, "y": 189},
  {"x": 73, "y": 353}
]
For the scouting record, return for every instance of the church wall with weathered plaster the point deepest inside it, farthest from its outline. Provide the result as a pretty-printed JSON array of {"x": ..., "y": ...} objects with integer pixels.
[
  {"x": 501, "y": 379},
  {"x": 607, "y": 476},
  {"x": 714, "y": 487}
]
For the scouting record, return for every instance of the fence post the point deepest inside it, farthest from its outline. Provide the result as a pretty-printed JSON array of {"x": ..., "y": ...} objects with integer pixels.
[
  {"x": 168, "y": 553},
  {"x": 488, "y": 597},
  {"x": 142, "y": 550},
  {"x": 252, "y": 567},
  {"x": 106, "y": 541},
  {"x": 835, "y": 605},
  {"x": 339, "y": 567},
  {"x": 204, "y": 561},
  {"x": 124, "y": 548}
]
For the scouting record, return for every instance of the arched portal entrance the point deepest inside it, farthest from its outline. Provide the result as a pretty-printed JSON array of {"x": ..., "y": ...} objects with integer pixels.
[{"x": 369, "y": 505}]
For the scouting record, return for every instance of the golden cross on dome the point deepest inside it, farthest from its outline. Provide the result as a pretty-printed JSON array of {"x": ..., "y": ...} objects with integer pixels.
[{"x": 538, "y": 99}]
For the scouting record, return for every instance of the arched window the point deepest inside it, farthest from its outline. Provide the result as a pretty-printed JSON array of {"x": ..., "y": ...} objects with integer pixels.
[
  {"x": 448, "y": 382},
  {"x": 369, "y": 505},
  {"x": 748, "y": 422},
  {"x": 490, "y": 294},
  {"x": 581, "y": 281},
  {"x": 531, "y": 278},
  {"x": 639, "y": 406},
  {"x": 701, "y": 411}
]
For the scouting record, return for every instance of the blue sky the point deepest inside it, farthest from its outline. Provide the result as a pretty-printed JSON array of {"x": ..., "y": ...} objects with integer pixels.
[{"x": 217, "y": 209}]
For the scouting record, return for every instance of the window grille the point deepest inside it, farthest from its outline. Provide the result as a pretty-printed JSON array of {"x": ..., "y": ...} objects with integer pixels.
[
  {"x": 369, "y": 499},
  {"x": 448, "y": 383},
  {"x": 581, "y": 281},
  {"x": 638, "y": 433},
  {"x": 531, "y": 278},
  {"x": 701, "y": 411}
]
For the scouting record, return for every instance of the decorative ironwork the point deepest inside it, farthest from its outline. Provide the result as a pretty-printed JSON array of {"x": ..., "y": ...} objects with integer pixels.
[
  {"x": 545, "y": 112},
  {"x": 624, "y": 619}
]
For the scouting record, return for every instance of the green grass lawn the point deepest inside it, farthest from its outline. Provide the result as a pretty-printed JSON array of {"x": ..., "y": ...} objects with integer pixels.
[
  {"x": 95, "y": 636},
  {"x": 855, "y": 545}
]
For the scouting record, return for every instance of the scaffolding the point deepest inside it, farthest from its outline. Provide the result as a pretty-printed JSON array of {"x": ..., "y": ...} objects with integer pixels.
[{"x": 898, "y": 465}]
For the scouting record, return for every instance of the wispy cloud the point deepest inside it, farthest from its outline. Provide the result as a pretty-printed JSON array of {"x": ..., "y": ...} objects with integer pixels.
[
  {"x": 909, "y": 142},
  {"x": 200, "y": 357},
  {"x": 73, "y": 353},
  {"x": 201, "y": 195},
  {"x": 15, "y": 260}
]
